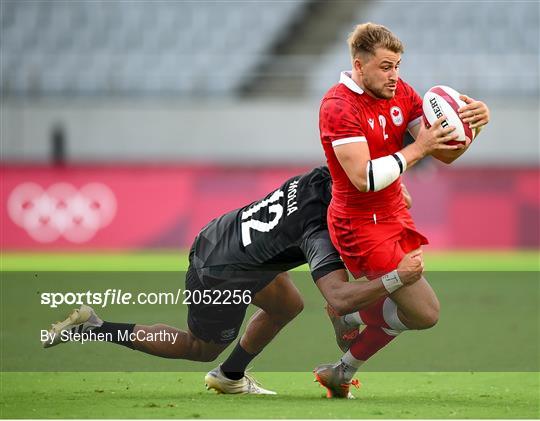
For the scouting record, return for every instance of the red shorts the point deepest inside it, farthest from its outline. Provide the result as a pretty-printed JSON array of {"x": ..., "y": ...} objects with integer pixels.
[{"x": 372, "y": 246}]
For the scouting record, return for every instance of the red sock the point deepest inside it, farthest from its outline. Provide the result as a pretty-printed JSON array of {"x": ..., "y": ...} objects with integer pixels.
[
  {"x": 373, "y": 337},
  {"x": 369, "y": 341},
  {"x": 373, "y": 315}
]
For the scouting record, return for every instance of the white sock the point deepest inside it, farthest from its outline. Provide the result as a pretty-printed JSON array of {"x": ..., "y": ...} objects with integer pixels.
[
  {"x": 350, "y": 365},
  {"x": 352, "y": 319},
  {"x": 390, "y": 315}
]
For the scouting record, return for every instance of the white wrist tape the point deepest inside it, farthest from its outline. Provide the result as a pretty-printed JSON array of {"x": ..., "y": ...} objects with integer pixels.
[
  {"x": 382, "y": 172},
  {"x": 391, "y": 281}
]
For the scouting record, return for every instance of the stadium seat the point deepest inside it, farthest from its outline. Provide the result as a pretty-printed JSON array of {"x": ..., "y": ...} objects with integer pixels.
[
  {"x": 146, "y": 35},
  {"x": 509, "y": 58}
]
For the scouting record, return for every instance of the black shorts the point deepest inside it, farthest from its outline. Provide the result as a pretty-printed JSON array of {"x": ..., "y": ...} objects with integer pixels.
[{"x": 219, "y": 323}]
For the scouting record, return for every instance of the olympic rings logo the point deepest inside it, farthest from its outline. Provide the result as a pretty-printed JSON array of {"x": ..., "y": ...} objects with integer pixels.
[{"x": 62, "y": 210}]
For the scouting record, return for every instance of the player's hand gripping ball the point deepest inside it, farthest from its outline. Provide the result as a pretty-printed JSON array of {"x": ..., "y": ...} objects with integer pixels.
[{"x": 442, "y": 100}]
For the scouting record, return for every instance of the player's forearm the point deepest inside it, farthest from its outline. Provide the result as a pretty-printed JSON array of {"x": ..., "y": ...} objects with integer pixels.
[
  {"x": 448, "y": 156},
  {"x": 412, "y": 154},
  {"x": 356, "y": 296},
  {"x": 346, "y": 297}
]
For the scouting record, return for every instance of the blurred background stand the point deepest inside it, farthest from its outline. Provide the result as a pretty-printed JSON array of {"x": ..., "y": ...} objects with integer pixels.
[{"x": 218, "y": 102}]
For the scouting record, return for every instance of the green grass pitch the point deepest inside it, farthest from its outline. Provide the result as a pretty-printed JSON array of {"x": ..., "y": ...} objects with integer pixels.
[
  {"x": 480, "y": 361},
  {"x": 182, "y": 395}
]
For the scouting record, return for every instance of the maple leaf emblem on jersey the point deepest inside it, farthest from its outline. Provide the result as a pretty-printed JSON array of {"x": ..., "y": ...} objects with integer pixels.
[{"x": 397, "y": 115}]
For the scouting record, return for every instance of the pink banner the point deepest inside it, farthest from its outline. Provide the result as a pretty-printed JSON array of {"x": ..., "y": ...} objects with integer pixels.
[{"x": 137, "y": 207}]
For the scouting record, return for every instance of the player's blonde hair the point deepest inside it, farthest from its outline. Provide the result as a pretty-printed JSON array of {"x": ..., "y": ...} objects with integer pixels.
[{"x": 367, "y": 37}]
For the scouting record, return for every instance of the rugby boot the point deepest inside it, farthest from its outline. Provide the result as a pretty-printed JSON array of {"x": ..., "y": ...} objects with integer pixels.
[
  {"x": 216, "y": 380},
  {"x": 332, "y": 377},
  {"x": 345, "y": 334},
  {"x": 80, "y": 320}
]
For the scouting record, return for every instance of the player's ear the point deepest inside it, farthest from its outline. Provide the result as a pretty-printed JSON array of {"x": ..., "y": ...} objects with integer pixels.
[{"x": 357, "y": 64}]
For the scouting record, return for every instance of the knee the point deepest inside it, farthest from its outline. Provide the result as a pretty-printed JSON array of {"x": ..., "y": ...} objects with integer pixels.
[
  {"x": 293, "y": 301},
  {"x": 289, "y": 311},
  {"x": 204, "y": 351},
  {"x": 429, "y": 317},
  {"x": 295, "y": 307},
  {"x": 429, "y": 320}
]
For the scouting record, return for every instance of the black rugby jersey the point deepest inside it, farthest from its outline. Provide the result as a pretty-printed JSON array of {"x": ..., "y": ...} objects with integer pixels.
[{"x": 282, "y": 231}]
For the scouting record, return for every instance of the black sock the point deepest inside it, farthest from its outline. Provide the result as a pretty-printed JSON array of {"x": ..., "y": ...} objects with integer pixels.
[
  {"x": 235, "y": 365},
  {"x": 117, "y": 333}
]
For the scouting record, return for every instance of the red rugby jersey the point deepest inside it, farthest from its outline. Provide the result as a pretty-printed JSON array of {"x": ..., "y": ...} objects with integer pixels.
[{"x": 348, "y": 114}]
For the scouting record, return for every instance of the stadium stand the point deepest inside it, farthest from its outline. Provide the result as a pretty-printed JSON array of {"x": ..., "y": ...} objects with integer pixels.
[
  {"x": 501, "y": 37},
  {"x": 116, "y": 74},
  {"x": 171, "y": 48},
  {"x": 107, "y": 47}
]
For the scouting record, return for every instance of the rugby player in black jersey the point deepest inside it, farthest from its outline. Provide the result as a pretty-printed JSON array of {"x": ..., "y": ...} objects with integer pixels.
[{"x": 243, "y": 257}]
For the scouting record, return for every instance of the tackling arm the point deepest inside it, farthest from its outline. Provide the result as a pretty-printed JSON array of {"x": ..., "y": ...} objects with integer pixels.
[{"x": 346, "y": 297}]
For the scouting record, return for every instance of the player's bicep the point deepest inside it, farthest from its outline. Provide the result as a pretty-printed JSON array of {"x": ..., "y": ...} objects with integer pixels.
[
  {"x": 416, "y": 112},
  {"x": 320, "y": 253},
  {"x": 353, "y": 158}
]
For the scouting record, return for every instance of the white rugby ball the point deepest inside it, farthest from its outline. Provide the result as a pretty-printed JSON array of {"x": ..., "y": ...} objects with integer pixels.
[{"x": 443, "y": 100}]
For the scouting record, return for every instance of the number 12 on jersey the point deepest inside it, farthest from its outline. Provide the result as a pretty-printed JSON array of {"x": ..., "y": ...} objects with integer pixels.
[{"x": 248, "y": 223}]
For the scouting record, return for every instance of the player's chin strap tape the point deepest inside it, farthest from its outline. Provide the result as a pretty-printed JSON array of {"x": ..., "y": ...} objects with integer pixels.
[
  {"x": 391, "y": 281},
  {"x": 382, "y": 172}
]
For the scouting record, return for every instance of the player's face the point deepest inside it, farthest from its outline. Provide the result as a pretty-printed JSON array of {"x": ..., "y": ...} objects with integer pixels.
[{"x": 379, "y": 73}]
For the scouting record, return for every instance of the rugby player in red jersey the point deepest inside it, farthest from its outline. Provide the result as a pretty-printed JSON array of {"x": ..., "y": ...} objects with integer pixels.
[{"x": 362, "y": 124}]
